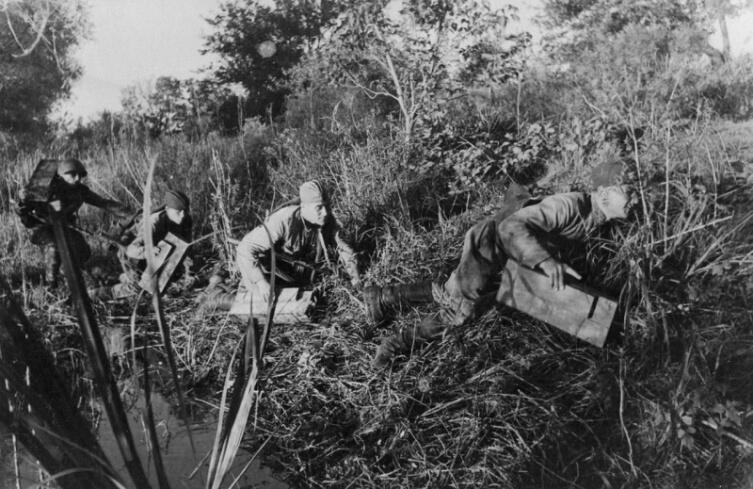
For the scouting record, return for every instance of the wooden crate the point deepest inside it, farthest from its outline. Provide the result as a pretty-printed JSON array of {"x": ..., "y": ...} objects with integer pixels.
[
  {"x": 292, "y": 305},
  {"x": 577, "y": 309},
  {"x": 38, "y": 188},
  {"x": 172, "y": 249}
]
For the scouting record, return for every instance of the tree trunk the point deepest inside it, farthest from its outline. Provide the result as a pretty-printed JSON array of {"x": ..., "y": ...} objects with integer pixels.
[{"x": 726, "y": 51}]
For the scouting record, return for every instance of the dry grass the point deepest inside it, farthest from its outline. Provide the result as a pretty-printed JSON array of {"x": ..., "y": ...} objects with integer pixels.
[{"x": 507, "y": 401}]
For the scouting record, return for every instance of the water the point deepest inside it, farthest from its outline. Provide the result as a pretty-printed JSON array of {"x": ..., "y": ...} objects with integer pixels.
[
  {"x": 180, "y": 464},
  {"x": 185, "y": 471}
]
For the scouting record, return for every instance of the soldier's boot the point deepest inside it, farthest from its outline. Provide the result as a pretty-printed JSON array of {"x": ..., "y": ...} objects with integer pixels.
[
  {"x": 408, "y": 339},
  {"x": 383, "y": 302},
  {"x": 216, "y": 296},
  {"x": 127, "y": 286}
]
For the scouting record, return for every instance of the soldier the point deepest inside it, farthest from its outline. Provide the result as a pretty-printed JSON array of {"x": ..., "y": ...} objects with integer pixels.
[
  {"x": 174, "y": 218},
  {"x": 301, "y": 234},
  {"x": 67, "y": 194},
  {"x": 529, "y": 235}
]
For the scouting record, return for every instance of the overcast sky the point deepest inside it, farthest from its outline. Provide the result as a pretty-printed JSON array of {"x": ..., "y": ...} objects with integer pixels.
[{"x": 138, "y": 40}]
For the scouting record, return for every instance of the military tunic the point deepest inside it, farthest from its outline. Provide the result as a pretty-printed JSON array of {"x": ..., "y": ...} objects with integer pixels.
[
  {"x": 134, "y": 261},
  {"x": 529, "y": 235},
  {"x": 161, "y": 226},
  {"x": 289, "y": 233}
]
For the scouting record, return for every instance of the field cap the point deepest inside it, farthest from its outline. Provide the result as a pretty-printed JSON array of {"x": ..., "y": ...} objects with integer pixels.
[
  {"x": 311, "y": 192},
  {"x": 177, "y": 200},
  {"x": 608, "y": 173},
  {"x": 71, "y": 165}
]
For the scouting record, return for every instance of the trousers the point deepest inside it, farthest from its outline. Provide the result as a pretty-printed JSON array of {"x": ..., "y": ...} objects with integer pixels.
[{"x": 43, "y": 236}]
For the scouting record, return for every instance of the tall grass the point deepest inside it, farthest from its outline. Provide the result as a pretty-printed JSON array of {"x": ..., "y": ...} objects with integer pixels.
[{"x": 506, "y": 401}]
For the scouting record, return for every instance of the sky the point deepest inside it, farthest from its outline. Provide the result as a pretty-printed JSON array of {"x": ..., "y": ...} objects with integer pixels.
[{"x": 136, "y": 41}]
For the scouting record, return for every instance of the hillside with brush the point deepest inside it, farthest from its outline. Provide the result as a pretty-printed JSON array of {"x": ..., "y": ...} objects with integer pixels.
[{"x": 418, "y": 125}]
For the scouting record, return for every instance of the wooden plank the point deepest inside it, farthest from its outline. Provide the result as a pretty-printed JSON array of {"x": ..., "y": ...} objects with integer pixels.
[
  {"x": 38, "y": 187},
  {"x": 292, "y": 306},
  {"x": 172, "y": 250},
  {"x": 578, "y": 310}
]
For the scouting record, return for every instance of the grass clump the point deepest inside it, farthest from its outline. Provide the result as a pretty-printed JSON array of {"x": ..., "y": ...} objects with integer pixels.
[{"x": 511, "y": 402}]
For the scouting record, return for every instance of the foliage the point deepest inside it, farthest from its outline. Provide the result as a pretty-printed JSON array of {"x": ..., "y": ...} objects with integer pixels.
[
  {"x": 422, "y": 56},
  {"x": 293, "y": 26},
  {"x": 192, "y": 107},
  {"x": 506, "y": 401},
  {"x": 655, "y": 75},
  {"x": 613, "y": 16},
  {"x": 36, "y": 67}
]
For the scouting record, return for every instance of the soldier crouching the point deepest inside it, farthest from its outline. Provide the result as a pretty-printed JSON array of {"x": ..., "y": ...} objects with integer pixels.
[
  {"x": 528, "y": 232},
  {"x": 173, "y": 218},
  {"x": 302, "y": 233},
  {"x": 65, "y": 196}
]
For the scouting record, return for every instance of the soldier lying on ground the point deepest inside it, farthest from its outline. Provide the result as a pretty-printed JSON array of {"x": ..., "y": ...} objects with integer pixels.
[
  {"x": 302, "y": 234},
  {"x": 530, "y": 235},
  {"x": 67, "y": 194},
  {"x": 172, "y": 218}
]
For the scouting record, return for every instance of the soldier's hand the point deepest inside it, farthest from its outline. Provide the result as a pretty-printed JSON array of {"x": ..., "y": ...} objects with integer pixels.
[
  {"x": 556, "y": 271},
  {"x": 56, "y": 205}
]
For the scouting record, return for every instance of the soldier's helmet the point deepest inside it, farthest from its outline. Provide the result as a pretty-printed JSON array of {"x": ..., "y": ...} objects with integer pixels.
[
  {"x": 617, "y": 173},
  {"x": 609, "y": 173},
  {"x": 71, "y": 165}
]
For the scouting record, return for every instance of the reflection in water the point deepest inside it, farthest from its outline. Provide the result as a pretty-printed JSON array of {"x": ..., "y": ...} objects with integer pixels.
[{"x": 185, "y": 471}]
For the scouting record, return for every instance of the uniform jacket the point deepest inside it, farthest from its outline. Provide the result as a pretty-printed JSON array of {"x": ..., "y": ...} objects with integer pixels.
[
  {"x": 289, "y": 233},
  {"x": 530, "y": 234}
]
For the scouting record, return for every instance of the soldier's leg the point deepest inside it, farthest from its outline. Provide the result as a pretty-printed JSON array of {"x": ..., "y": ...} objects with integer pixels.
[
  {"x": 52, "y": 265},
  {"x": 466, "y": 294},
  {"x": 127, "y": 285},
  {"x": 79, "y": 247},
  {"x": 382, "y": 302},
  {"x": 216, "y": 295},
  {"x": 44, "y": 238}
]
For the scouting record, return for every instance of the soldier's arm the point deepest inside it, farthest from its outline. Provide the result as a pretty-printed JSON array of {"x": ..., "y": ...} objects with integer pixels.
[
  {"x": 346, "y": 256},
  {"x": 259, "y": 241},
  {"x": 519, "y": 233},
  {"x": 348, "y": 259},
  {"x": 112, "y": 206}
]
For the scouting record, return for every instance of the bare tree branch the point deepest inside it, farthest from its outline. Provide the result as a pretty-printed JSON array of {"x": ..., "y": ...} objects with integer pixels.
[{"x": 38, "y": 29}]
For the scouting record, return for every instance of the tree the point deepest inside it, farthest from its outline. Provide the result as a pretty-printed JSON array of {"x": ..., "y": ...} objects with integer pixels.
[
  {"x": 36, "y": 67},
  {"x": 259, "y": 44},
  {"x": 170, "y": 105},
  {"x": 423, "y": 55},
  {"x": 575, "y": 22},
  {"x": 719, "y": 11}
]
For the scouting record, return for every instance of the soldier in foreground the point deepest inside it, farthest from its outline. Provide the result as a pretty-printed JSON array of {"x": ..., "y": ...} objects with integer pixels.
[
  {"x": 527, "y": 232},
  {"x": 66, "y": 195},
  {"x": 302, "y": 233},
  {"x": 172, "y": 218}
]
